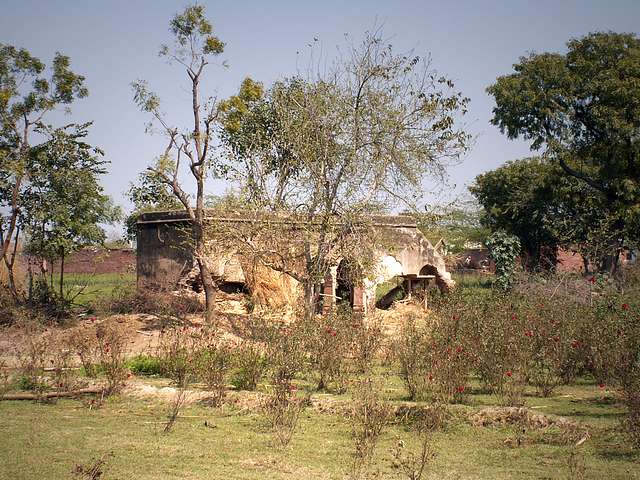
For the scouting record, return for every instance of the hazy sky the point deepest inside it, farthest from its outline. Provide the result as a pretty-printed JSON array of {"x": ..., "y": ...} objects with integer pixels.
[{"x": 113, "y": 43}]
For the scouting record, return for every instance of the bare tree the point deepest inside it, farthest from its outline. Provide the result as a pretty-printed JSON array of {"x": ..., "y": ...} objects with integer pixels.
[{"x": 194, "y": 47}]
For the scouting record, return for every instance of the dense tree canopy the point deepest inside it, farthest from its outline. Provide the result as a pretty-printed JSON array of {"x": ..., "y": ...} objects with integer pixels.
[
  {"x": 537, "y": 202},
  {"x": 583, "y": 108},
  {"x": 63, "y": 201},
  {"x": 28, "y": 91}
]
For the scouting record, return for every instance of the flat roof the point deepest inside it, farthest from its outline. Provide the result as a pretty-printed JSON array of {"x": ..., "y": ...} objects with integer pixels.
[{"x": 398, "y": 221}]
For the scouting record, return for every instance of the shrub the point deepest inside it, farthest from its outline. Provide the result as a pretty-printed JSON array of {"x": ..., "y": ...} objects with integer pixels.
[
  {"x": 84, "y": 344},
  {"x": 32, "y": 356},
  {"x": 449, "y": 353},
  {"x": 615, "y": 348},
  {"x": 64, "y": 375},
  {"x": 157, "y": 302},
  {"x": 328, "y": 341},
  {"x": 250, "y": 364},
  {"x": 282, "y": 408},
  {"x": 413, "y": 462},
  {"x": 410, "y": 350},
  {"x": 178, "y": 350},
  {"x": 367, "y": 342},
  {"x": 213, "y": 363},
  {"x": 111, "y": 356},
  {"x": 144, "y": 365},
  {"x": 499, "y": 338},
  {"x": 504, "y": 250},
  {"x": 285, "y": 351},
  {"x": 369, "y": 416}
]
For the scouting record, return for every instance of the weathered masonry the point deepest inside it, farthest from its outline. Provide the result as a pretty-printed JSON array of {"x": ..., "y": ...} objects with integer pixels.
[{"x": 165, "y": 258}]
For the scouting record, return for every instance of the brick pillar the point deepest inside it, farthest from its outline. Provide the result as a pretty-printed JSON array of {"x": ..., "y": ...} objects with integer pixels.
[
  {"x": 329, "y": 291},
  {"x": 358, "y": 300}
]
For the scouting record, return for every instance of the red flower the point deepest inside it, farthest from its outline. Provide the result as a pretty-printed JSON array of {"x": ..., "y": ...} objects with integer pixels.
[
  {"x": 508, "y": 373},
  {"x": 333, "y": 333},
  {"x": 528, "y": 333},
  {"x": 514, "y": 316},
  {"x": 602, "y": 385},
  {"x": 460, "y": 389},
  {"x": 591, "y": 279},
  {"x": 292, "y": 388},
  {"x": 459, "y": 349},
  {"x": 625, "y": 306}
]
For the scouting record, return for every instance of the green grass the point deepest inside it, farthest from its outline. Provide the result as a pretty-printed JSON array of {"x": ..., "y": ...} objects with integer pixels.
[
  {"x": 46, "y": 441},
  {"x": 92, "y": 287}
]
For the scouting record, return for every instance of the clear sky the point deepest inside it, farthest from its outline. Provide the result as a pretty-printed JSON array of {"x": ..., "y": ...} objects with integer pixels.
[{"x": 114, "y": 42}]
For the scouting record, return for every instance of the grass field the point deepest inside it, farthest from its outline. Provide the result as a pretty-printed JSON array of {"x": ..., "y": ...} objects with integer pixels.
[
  {"x": 46, "y": 441},
  {"x": 86, "y": 288}
]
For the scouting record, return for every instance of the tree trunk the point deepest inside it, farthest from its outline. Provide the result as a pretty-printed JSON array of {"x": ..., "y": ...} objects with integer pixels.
[
  {"x": 61, "y": 274},
  {"x": 309, "y": 299},
  {"x": 205, "y": 273}
]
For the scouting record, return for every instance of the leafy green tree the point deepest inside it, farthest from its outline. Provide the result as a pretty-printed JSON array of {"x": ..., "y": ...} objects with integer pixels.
[
  {"x": 519, "y": 198},
  {"x": 63, "y": 203},
  {"x": 28, "y": 92},
  {"x": 537, "y": 202},
  {"x": 194, "y": 48},
  {"x": 458, "y": 225},
  {"x": 150, "y": 193},
  {"x": 583, "y": 108}
]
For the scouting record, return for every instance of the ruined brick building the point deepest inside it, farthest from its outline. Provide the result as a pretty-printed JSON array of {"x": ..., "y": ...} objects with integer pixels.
[{"x": 165, "y": 259}]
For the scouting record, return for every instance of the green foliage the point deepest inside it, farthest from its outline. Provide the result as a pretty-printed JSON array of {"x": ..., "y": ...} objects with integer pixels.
[
  {"x": 144, "y": 365},
  {"x": 504, "y": 250},
  {"x": 536, "y": 201},
  {"x": 249, "y": 365},
  {"x": 336, "y": 145},
  {"x": 459, "y": 226},
  {"x": 27, "y": 94},
  {"x": 64, "y": 204},
  {"x": 583, "y": 108},
  {"x": 149, "y": 194}
]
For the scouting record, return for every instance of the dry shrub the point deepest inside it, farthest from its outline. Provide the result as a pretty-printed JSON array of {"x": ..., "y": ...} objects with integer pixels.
[
  {"x": 93, "y": 470},
  {"x": 83, "y": 342},
  {"x": 285, "y": 346},
  {"x": 369, "y": 416},
  {"x": 282, "y": 408},
  {"x": 213, "y": 364},
  {"x": 184, "y": 353},
  {"x": 413, "y": 462},
  {"x": 155, "y": 302},
  {"x": 367, "y": 342},
  {"x": 64, "y": 373},
  {"x": 6, "y": 379},
  {"x": 576, "y": 468},
  {"x": 32, "y": 356},
  {"x": 178, "y": 350},
  {"x": 410, "y": 350},
  {"x": 111, "y": 356},
  {"x": 328, "y": 341},
  {"x": 177, "y": 402},
  {"x": 269, "y": 287}
]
